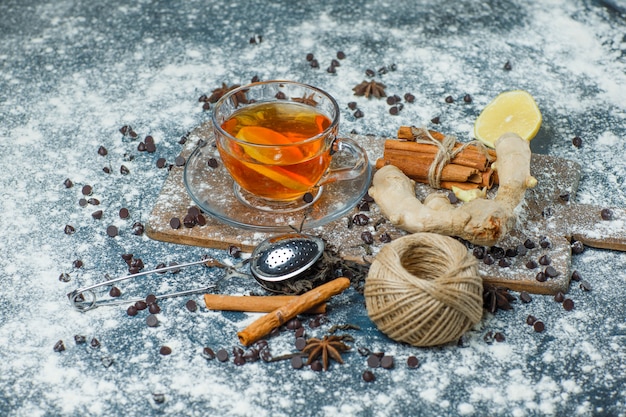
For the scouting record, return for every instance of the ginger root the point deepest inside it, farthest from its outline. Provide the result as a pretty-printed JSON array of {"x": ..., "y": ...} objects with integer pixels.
[{"x": 480, "y": 221}]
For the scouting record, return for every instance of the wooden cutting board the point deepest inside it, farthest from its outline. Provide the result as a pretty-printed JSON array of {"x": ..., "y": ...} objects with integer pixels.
[{"x": 548, "y": 214}]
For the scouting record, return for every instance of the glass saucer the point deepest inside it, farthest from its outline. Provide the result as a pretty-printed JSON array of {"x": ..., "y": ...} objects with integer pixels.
[{"x": 213, "y": 191}]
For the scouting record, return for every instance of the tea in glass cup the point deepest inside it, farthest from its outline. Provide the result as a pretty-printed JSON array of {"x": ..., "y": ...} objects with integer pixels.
[{"x": 276, "y": 140}]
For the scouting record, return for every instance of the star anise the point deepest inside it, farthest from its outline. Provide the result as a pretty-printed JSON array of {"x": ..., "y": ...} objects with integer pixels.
[
  {"x": 330, "y": 347},
  {"x": 239, "y": 97},
  {"x": 495, "y": 298},
  {"x": 308, "y": 100},
  {"x": 370, "y": 88}
]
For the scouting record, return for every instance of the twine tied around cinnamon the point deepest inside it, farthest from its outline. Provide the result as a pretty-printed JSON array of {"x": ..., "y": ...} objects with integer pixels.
[
  {"x": 424, "y": 289},
  {"x": 445, "y": 154}
]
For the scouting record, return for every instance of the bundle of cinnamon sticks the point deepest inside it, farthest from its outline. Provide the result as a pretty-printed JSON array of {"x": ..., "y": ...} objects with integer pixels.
[{"x": 469, "y": 169}]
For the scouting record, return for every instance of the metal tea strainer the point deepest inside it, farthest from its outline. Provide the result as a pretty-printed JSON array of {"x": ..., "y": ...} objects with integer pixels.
[
  {"x": 279, "y": 261},
  {"x": 275, "y": 262}
]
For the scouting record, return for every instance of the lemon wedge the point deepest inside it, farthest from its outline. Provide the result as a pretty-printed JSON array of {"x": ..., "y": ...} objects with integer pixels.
[{"x": 512, "y": 111}]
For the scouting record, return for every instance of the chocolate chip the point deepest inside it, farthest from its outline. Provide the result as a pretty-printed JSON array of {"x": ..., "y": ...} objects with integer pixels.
[
  {"x": 504, "y": 263},
  {"x": 412, "y": 362},
  {"x": 511, "y": 253},
  {"x": 175, "y": 223},
  {"x": 507, "y": 66},
  {"x": 576, "y": 276},
  {"x": 368, "y": 376},
  {"x": 559, "y": 297},
  {"x": 385, "y": 237},
  {"x": 234, "y": 251},
  {"x": 544, "y": 242},
  {"x": 529, "y": 244},
  {"x": 314, "y": 64},
  {"x": 499, "y": 337},
  {"x": 521, "y": 250},
  {"x": 160, "y": 163},
  {"x": 309, "y": 57},
  {"x": 539, "y": 326},
  {"x": 467, "y": 98},
  {"x": 138, "y": 229},
  {"x": 551, "y": 272},
  {"x": 112, "y": 231},
  {"x": 68, "y": 183},
  {"x": 488, "y": 259},
  {"x": 141, "y": 305},
  {"x": 479, "y": 252},
  {"x": 373, "y": 361},
  {"x": 132, "y": 311},
  {"x": 525, "y": 297},
  {"x": 409, "y": 98},
  {"x": 360, "y": 219},
  {"x": 449, "y": 99},
  {"x": 297, "y": 362},
  {"x": 189, "y": 221},
  {"x": 151, "y": 299},
  {"x": 95, "y": 343},
  {"x": 64, "y": 277},
  {"x": 124, "y": 213},
  {"x": 367, "y": 237},
  {"x": 370, "y": 72},
  {"x": 152, "y": 320},
  {"x": 363, "y": 206},
  {"x": 80, "y": 339},
  {"x": 179, "y": 161},
  {"x": 94, "y": 201},
  {"x": 341, "y": 55},
  {"x": 87, "y": 190},
  {"x": 497, "y": 252},
  {"x": 577, "y": 247},
  {"x": 435, "y": 120},
  {"x": 300, "y": 332},
  {"x": 532, "y": 264},
  {"x": 125, "y": 129},
  {"x": 59, "y": 346},
  {"x": 530, "y": 320},
  {"x": 387, "y": 362},
  {"x": 541, "y": 276},
  {"x": 394, "y": 110},
  {"x": 545, "y": 260},
  {"x": 577, "y": 142},
  {"x": 102, "y": 151},
  {"x": 82, "y": 202},
  {"x": 607, "y": 214},
  {"x": 124, "y": 170},
  {"x": 154, "y": 308},
  {"x": 212, "y": 163},
  {"x": 316, "y": 366},
  {"x": 300, "y": 343},
  {"x": 191, "y": 305},
  {"x": 165, "y": 350},
  {"x": 97, "y": 214},
  {"x": 222, "y": 355},
  {"x": 115, "y": 292},
  {"x": 352, "y": 105},
  {"x": 150, "y": 147},
  {"x": 158, "y": 398},
  {"x": 207, "y": 353},
  {"x": 141, "y": 147},
  {"x": 293, "y": 324},
  {"x": 568, "y": 304},
  {"x": 358, "y": 114},
  {"x": 585, "y": 286}
]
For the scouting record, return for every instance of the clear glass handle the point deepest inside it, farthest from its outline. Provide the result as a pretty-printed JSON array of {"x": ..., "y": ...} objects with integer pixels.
[{"x": 349, "y": 161}]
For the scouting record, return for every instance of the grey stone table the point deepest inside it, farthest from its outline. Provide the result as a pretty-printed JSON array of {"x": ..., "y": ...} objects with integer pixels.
[{"x": 72, "y": 73}]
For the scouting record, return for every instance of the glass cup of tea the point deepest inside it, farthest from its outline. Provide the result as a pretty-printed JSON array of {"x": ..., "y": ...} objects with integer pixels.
[{"x": 278, "y": 140}]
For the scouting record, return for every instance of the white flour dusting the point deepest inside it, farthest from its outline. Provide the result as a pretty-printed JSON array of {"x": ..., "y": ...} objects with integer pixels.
[{"x": 72, "y": 74}]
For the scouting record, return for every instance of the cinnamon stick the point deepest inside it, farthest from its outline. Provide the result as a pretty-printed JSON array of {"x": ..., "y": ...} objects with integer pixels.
[
  {"x": 417, "y": 167},
  {"x": 406, "y": 132},
  {"x": 469, "y": 156},
  {"x": 265, "y": 324},
  {"x": 253, "y": 303}
]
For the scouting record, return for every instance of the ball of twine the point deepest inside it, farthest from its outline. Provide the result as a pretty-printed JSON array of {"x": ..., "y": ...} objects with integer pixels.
[{"x": 424, "y": 289}]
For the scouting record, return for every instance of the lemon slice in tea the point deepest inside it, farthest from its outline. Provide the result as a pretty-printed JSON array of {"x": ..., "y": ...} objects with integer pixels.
[{"x": 512, "y": 111}]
